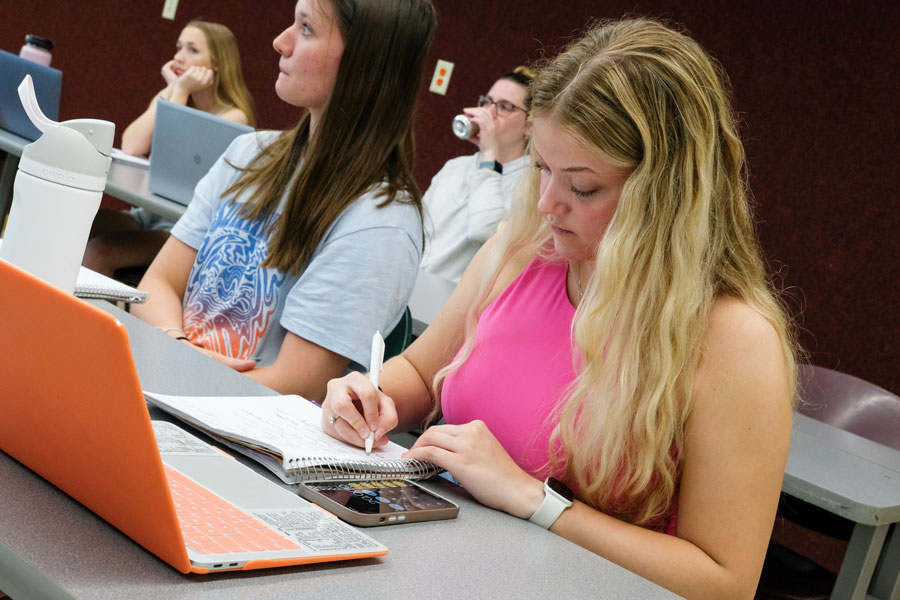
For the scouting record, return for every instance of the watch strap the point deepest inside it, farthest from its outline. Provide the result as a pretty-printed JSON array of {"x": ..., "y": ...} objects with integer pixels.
[
  {"x": 553, "y": 505},
  {"x": 491, "y": 164}
]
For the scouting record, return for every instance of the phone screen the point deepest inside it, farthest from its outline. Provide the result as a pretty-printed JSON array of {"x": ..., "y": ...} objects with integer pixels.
[
  {"x": 384, "y": 502},
  {"x": 380, "y": 497}
]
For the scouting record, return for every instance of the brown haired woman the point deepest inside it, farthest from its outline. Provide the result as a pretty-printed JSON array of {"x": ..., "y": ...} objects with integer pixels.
[
  {"x": 299, "y": 245},
  {"x": 205, "y": 74}
]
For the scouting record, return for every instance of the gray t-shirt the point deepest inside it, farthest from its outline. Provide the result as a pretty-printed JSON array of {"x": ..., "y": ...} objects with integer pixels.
[{"x": 358, "y": 280}]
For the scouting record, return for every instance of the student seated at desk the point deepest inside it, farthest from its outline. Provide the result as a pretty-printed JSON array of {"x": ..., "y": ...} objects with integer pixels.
[
  {"x": 299, "y": 245},
  {"x": 471, "y": 194},
  {"x": 617, "y": 340},
  {"x": 205, "y": 74}
]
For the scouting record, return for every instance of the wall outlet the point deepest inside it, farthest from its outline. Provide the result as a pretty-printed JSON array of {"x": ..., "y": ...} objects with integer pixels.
[
  {"x": 441, "y": 78},
  {"x": 169, "y": 8}
]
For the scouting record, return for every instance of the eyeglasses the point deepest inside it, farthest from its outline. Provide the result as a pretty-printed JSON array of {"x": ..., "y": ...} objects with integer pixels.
[{"x": 504, "y": 107}]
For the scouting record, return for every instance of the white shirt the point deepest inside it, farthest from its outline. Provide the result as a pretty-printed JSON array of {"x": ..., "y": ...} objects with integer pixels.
[{"x": 463, "y": 207}]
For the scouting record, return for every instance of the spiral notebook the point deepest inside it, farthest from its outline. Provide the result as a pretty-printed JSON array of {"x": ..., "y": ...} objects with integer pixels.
[
  {"x": 91, "y": 284},
  {"x": 284, "y": 434}
]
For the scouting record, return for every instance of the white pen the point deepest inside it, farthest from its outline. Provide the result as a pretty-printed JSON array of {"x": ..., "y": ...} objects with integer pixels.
[{"x": 375, "y": 363}]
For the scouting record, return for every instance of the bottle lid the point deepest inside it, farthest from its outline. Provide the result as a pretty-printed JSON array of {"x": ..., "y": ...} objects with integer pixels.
[
  {"x": 38, "y": 41},
  {"x": 66, "y": 156},
  {"x": 75, "y": 152}
]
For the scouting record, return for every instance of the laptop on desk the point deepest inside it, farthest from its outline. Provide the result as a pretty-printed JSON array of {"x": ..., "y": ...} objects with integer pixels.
[
  {"x": 47, "y": 88},
  {"x": 72, "y": 410},
  {"x": 186, "y": 143}
]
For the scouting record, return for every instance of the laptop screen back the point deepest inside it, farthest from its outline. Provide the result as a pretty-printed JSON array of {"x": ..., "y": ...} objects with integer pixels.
[
  {"x": 47, "y": 88},
  {"x": 73, "y": 410},
  {"x": 186, "y": 143}
]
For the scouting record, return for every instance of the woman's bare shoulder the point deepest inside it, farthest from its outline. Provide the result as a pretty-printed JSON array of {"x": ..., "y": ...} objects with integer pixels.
[
  {"x": 236, "y": 115},
  {"x": 742, "y": 359},
  {"x": 733, "y": 322}
]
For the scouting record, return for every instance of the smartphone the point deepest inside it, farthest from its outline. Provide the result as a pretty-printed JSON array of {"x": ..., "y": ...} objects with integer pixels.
[{"x": 384, "y": 502}]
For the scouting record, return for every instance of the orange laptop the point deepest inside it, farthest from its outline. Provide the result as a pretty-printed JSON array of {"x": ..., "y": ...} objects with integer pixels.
[{"x": 73, "y": 411}]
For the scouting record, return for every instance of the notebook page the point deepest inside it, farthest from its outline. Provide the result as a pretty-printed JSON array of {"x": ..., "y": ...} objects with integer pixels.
[{"x": 289, "y": 425}]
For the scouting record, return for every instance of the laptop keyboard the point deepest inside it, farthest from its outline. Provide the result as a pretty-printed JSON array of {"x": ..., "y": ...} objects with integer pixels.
[{"x": 211, "y": 525}]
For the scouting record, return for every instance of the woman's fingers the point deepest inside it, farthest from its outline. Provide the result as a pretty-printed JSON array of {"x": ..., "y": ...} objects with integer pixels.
[
  {"x": 387, "y": 418},
  {"x": 238, "y": 364},
  {"x": 353, "y": 408},
  {"x": 344, "y": 431},
  {"x": 441, "y": 436},
  {"x": 350, "y": 388},
  {"x": 433, "y": 454}
]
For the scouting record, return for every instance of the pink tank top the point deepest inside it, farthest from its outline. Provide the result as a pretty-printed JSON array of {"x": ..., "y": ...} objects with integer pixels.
[{"x": 515, "y": 391}]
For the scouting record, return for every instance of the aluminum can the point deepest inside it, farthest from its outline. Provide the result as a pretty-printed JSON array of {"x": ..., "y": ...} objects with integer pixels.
[{"x": 463, "y": 127}]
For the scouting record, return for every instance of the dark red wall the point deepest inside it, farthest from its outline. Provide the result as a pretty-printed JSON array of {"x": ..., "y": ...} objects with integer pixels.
[{"x": 815, "y": 84}]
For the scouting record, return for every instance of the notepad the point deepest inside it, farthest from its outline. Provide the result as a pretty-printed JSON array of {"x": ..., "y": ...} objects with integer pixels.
[
  {"x": 284, "y": 434},
  {"x": 91, "y": 284},
  {"x": 128, "y": 159}
]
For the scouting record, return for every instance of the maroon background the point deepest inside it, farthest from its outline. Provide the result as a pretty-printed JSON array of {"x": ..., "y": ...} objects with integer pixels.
[{"x": 816, "y": 86}]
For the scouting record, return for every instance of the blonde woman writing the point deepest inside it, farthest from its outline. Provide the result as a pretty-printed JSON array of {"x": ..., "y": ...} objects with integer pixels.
[{"x": 617, "y": 339}]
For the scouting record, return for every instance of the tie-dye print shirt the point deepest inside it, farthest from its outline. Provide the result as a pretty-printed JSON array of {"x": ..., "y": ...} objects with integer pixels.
[{"x": 358, "y": 280}]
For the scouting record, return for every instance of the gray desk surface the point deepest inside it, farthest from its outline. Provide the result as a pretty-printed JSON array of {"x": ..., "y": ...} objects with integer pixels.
[
  {"x": 129, "y": 183},
  {"x": 48, "y": 540},
  {"x": 858, "y": 479},
  {"x": 126, "y": 182},
  {"x": 843, "y": 473}
]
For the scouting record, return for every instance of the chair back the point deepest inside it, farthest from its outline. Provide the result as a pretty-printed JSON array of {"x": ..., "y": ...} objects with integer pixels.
[
  {"x": 851, "y": 404},
  {"x": 401, "y": 337}
]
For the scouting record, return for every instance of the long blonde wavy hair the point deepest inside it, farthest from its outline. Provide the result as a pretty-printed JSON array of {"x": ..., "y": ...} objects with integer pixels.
[
  {"x": 226, "y": 58},
  {"x": 642, "y": 95}
]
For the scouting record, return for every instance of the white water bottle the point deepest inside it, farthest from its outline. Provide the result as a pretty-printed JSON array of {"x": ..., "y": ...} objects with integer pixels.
[{"x": 56, "y": 194}]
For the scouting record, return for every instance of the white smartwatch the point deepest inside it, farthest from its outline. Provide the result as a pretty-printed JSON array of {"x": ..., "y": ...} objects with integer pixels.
[{"x": 557, "y": 498}]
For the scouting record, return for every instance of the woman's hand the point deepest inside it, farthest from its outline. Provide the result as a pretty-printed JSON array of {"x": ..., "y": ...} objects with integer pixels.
[
  {"x": 341, "y": 416},
  {"x": 486, "y": 138},
  {"x": 168, "y": 73},
  {"x": 194, "y": 79},
  {"x": 477, "y": 460},
  {"x": 238, "y": 364}
]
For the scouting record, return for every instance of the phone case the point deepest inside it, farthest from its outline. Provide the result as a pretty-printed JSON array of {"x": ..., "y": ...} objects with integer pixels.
[{"x": 418, "y": 503}]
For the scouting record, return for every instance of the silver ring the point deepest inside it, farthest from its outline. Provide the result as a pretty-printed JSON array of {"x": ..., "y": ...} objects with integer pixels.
[{"x": 331, "y": 420}]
